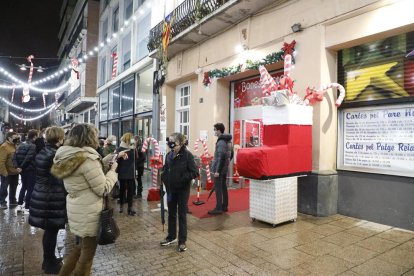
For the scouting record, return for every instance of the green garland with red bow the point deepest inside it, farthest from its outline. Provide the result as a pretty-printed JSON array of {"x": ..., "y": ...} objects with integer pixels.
[{"x": 287, "y": 48}]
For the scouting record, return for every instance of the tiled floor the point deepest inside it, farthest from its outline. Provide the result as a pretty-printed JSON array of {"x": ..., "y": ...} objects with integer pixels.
[{"x": 230, "y": 244}]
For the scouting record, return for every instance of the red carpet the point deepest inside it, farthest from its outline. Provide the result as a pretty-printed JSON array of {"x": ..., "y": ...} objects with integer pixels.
[{"x": 238, "y": 201}]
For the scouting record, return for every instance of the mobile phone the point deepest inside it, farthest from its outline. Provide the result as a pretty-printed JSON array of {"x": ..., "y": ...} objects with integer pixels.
[{"x": 114, "y": 158}]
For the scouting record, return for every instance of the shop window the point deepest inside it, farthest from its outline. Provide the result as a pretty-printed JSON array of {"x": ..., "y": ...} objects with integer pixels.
[
  {"x": 144, "y": 96},
  {"x": 127, "y": 99},
  {"x": 140, "y": 3},
  {"x": 375, "y": 123},
  {"x": 103, "y": 130},
  {"x": 183, "y": 99},
  {"x": 126, "y": 52},
  {"x": 114, "y": 103},
  {"x": 103, "y": 106},
  {"x": 144, "y": 27},
  {"x": 115, "y": 20},
  {"x": 378, "y": 70},
  {"x": 126, "y": 126},
  {"x": 114, "y": 128}
]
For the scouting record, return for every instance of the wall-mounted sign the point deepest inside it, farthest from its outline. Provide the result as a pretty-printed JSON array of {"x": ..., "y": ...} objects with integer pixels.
[{"x": 377, "y": 139}]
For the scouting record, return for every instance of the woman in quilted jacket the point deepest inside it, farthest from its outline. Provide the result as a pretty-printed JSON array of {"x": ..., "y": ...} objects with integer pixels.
[
  {"x": 81, "y": 168},
  {"x": 48, "y": 200}
]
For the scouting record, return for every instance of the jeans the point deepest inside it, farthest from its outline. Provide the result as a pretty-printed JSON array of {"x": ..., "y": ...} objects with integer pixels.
[
  {"x": 80, "y": 259},
  {"x": 220, "y": 187},
  {"x": 178, "y": 199},
  {"x": 28, "y": 183},
  {"x": 49, "y": 244},
  {"x": 127, "y": 186},
  {"x": 10, "y": 182}
]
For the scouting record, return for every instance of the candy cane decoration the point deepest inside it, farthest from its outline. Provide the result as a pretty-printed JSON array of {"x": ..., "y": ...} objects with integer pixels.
[
  {"x": 287, "y": 65},
  {"x": 156, "y": 154},
  {"x": 26, "y": 96},
  {"x": 44, "y": 98},
  {"x": 267, "y": 83},
  {"x": 313, "y": 95},
  {"x": 115, "y": 66},
  {"x": 203, "y": 142},
  {"x": 75, "y": 70}
]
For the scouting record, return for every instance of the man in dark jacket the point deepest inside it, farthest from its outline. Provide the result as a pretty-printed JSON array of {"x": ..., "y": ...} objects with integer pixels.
[
  {"x": 24, "y": 158},
  {"x": 178, "y": 171},
  {"x": 219, "y": 168}
]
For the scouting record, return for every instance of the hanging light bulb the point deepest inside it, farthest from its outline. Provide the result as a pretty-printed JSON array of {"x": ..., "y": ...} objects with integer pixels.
[
  {"x": 40, "y": 69},
  {"x": 23, "y": 67}
]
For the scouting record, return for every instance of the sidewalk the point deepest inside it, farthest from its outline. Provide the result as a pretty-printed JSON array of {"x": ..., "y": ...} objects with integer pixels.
[{"x": 230, "y": 244}]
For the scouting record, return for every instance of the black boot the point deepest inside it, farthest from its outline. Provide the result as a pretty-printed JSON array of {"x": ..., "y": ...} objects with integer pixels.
[
  {"x": 121, "y": 209},
  {"x": 52, "y": 266},
  {"x": 131, "y": 212}
]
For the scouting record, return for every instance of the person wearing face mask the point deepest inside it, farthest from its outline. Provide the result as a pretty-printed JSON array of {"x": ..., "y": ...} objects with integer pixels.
[
  {"x": 109, "y": 145},
  {"x": 24, "y": 158},
  {"x": 178, "y": 171},
  {"x": 48, "y": 202},
  {"x": 222, "y": 156},
  {"x": 9, "y": 173},
  {"x": 126, "y": 172}
]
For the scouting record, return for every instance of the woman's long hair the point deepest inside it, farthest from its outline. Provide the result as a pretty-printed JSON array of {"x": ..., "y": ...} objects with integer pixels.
[{"x": 83, "y": 135}]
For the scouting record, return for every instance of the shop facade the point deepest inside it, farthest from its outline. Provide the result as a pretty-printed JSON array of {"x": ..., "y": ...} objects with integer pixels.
[{"x": 343, "y": 42}]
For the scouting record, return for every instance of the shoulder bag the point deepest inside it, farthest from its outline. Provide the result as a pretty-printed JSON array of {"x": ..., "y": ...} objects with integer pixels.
[{"x": 108, "y": 230}]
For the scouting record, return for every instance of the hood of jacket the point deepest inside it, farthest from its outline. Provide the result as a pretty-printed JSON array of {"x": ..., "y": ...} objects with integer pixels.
[
  {"x": 68, "y": 159},
  {"x": 126, "y": 146},
  {"x": 225, "y": 137}
]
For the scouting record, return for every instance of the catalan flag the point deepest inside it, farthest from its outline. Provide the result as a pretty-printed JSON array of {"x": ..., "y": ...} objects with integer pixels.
[{"x": 166, "y": 31}]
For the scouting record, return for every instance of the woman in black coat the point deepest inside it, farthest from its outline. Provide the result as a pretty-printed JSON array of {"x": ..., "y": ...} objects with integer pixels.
[
  {"x": 126, "y": 171},
  {"x": 48, "y": 202},
  {"x": 140, "y": 162},
  {"x": 178, "y": 171}
]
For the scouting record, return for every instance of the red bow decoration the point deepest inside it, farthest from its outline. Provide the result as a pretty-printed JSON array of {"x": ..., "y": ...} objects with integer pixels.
[
  {"x": 156, "y": 162},
  {"x": 288, "y": 48},
  {"x": 207, "y": 79},
  {"x": 206, "y": 158}
]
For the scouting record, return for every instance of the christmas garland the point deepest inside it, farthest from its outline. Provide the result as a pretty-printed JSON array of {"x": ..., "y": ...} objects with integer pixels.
[{"x": 287, "y": 48}]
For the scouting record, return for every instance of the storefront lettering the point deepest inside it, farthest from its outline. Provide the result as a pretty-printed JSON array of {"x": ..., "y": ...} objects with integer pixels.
[
  {"x": 250, "y": 85},
  {"x": 351, "y": 116}
]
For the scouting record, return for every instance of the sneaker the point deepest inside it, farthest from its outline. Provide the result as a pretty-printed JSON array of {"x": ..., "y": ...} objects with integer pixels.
[
  {"x": 215, "y": 212},
  {"x": 131, "y": 213},
  {"x": 182, "y": 247},
  {"x": 168, "y": 241},
  {"x": 225, "y": 209},
  {"x": 26, "y": 211},
  {"x": 3, "y": 205}
]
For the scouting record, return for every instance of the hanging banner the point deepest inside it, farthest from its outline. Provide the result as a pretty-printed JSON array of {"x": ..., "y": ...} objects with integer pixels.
[{"x": 377, "y": 139}]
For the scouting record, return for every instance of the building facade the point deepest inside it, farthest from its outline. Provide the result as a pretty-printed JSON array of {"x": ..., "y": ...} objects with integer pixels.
[
  {"x": 78, "y": 34},
  {"x": 362, "y": 152}
]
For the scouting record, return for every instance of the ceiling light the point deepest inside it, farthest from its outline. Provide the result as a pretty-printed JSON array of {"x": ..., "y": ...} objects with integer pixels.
[
  {"x": 23, "y": 67},
  {"x": 40, "y": 69}
]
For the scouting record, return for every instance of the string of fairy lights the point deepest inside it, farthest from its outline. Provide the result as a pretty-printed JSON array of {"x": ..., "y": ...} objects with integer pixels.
[{"x": 34, "y": 86}]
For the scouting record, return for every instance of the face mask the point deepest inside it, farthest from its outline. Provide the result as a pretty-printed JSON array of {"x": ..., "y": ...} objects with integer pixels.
[
  {"x": 113, "y": 143},
  {"x": 132, "y": 141},
  {"x": 171, "y": 145}
]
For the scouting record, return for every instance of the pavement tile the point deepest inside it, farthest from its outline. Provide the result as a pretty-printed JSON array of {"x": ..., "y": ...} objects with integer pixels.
[
  {"x": 303, "y": 237},
  {"x": 354, "y": 254},
  {"x": 377, "y": 244},
  {"x": 377, "y": 267},
  {"x": 399, "y": 257},
  {"x": 318, "y": 248},
  {"x": 342, "y": 239},
  {"x": 396, "y": 235},
  {"x": 327, "y": 265}
]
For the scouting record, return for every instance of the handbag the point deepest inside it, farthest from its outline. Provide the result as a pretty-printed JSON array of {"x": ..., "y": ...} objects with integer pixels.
[
  {"x": 115, "y": 191},
  {"x": 108, "y": 230}
]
